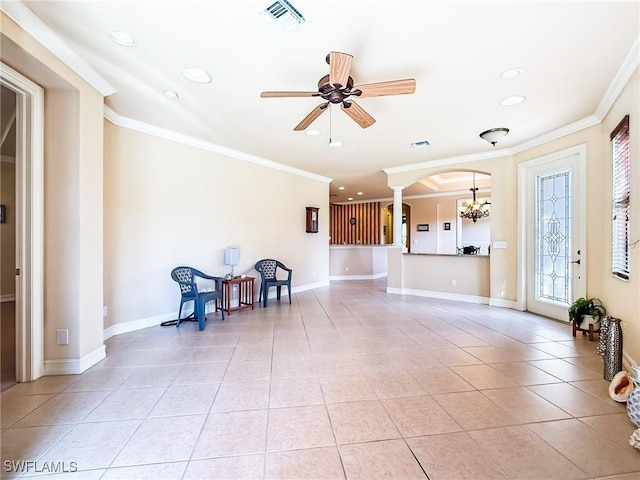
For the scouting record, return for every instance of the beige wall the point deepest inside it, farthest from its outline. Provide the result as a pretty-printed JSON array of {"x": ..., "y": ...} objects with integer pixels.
[
  {"x": 620, "y": 297},
  {"x": 8, "y": 229},
  {"x": 503, "y": 262},
  {"x": 357, "y": 261},
  {"x": 470, "y": 273},
  {"x": 73, "y": 151},
  {"x": 168, "y": 204}
]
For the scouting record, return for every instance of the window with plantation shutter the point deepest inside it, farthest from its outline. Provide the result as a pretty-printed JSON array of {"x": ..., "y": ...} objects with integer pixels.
[{"x": 621, "y": 192}]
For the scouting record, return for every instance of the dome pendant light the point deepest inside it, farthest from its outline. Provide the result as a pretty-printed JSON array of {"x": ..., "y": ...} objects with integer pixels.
[{"x": 493, "y": 135}]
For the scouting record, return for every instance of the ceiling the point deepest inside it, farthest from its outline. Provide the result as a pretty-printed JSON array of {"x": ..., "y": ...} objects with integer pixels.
[{"x": 569, "y": 53}]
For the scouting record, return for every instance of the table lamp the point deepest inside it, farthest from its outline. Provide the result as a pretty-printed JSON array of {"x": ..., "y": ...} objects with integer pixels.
[{"x": 231, "y": 256}]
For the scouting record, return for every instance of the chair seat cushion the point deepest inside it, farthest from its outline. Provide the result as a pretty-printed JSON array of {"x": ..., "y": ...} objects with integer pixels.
[
  {"x": 277, "y": 282},
  {"x": 208, "y": 296}
]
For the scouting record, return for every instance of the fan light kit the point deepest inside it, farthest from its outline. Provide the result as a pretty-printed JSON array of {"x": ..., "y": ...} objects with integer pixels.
[
  {"x": 196, "y": 74},
  {"x": 338, "y": 88},
  {"x": 122, "y": 38},
  {"x": 493, "y": 135}
]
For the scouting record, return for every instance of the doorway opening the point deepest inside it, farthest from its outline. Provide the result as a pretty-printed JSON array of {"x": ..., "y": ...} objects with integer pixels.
[
  {"x": 552, "y": 271},
  {"x": 405, "y": 231},
  {"x": 8, "y": 237},
  {"x": 28, "y": 265}
]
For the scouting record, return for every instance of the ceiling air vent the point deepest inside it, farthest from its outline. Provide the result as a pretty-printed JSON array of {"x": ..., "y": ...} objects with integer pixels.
[{"x": 283, "y": 16}]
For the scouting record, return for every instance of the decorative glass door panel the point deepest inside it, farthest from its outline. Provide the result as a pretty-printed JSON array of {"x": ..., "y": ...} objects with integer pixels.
[{"x": 553, "y": 237}]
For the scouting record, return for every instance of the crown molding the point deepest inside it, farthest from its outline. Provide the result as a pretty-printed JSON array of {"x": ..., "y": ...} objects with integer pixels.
[
  {"x": 167, "y": 134},
  {"x": 39, "y": 30},
  {"x": 472, "y": 157},
  {"x": 629, "y": 65}
]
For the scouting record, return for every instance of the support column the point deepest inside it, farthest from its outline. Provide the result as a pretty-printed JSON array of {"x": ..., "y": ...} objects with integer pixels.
[{"x": 397, "y": 215}]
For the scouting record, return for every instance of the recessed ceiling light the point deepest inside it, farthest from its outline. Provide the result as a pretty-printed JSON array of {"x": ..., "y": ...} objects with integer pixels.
[
  {"x": 313, "y": 133},
  {"x": 511, "y": 73},
  {"x": 340, "y": 187},
  {"x": 350, "y": 198},
  {"x": 335, "y": 143},
  {"x": 122, "y": 38},
  {"x": 359, "y": 193},
  {"x": 170, "y": 94},
  {"x": 196, "y": 74},
  {"x": 512, "y": 100},
  {"x": 420, "y": 144}
]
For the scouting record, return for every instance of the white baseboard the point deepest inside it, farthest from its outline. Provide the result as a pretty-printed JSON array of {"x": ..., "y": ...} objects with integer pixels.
[
  {"x": 126, "y": 327},
  {"x": 374, "y": 276},
  {"x": 74, "y": 366},
  {"x": 497, "y": 302},
  {"x": 7, "y": 298},
  {"x": 442, "y": 295},
  {"x": 628, "y": 362},
  {"x": 309, "y": 286}
]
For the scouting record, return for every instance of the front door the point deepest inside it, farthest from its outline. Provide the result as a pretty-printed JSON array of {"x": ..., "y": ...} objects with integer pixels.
[{"x": 554, "y": 232}]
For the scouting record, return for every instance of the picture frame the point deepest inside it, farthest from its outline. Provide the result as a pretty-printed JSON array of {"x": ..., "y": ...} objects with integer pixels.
[
  {"x": 423, "y": 227},
  {"x": 447, "y": 225}
]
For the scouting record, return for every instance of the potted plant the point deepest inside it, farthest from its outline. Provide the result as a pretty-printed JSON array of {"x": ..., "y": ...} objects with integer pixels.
[{"x": 590, "y": 310}]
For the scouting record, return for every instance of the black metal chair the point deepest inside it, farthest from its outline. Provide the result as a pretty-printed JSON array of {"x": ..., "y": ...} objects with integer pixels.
[
  {"x": 186, "y": 278},
  {"x": 268, "y": 269},
  {"x": 469, "y": 250}
]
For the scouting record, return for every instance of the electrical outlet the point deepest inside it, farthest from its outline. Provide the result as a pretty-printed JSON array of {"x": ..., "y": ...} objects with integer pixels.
[
  {"x": 346, "y": 269},
  {"x": 454, "y": 283},
  {"x": 105, "y": 311}
]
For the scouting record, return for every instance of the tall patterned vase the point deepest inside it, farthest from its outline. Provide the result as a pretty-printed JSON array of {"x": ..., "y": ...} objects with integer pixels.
[
  {"x": 633, "y": 402},
  {"x": 610, "y": 346}
]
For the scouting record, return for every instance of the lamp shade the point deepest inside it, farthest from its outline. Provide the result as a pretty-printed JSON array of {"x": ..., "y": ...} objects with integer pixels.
[{"x": 231, "y": 256}]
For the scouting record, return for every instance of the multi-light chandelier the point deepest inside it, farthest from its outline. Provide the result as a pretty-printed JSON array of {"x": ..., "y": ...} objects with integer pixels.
[{"x": 475, "y": 209}]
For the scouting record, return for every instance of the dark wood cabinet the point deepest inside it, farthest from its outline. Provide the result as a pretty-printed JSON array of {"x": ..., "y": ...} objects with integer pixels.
[{"x": 312, "y": 219}]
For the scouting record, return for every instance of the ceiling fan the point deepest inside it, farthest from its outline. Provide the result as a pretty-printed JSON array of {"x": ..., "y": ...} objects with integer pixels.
[{"x": 337, "y": 87}]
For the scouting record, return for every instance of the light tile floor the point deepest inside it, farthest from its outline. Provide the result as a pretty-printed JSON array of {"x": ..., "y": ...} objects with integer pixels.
[{"x": 348, "y": 382}]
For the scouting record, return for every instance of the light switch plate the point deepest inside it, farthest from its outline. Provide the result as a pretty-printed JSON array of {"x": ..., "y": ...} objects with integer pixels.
[
  {"x": 499, "y": 244},
  {"x": 63, "y": 336}
]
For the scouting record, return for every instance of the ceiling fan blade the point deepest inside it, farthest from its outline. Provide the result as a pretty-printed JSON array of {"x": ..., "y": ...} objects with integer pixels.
[
  {"x": 339, "y": 67},
  {"x": 393, "y": 87},
  {"x": 359, "y": 115},
  {"x": 287, "y": 94},
  {"x": 308, "y": 120}
]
